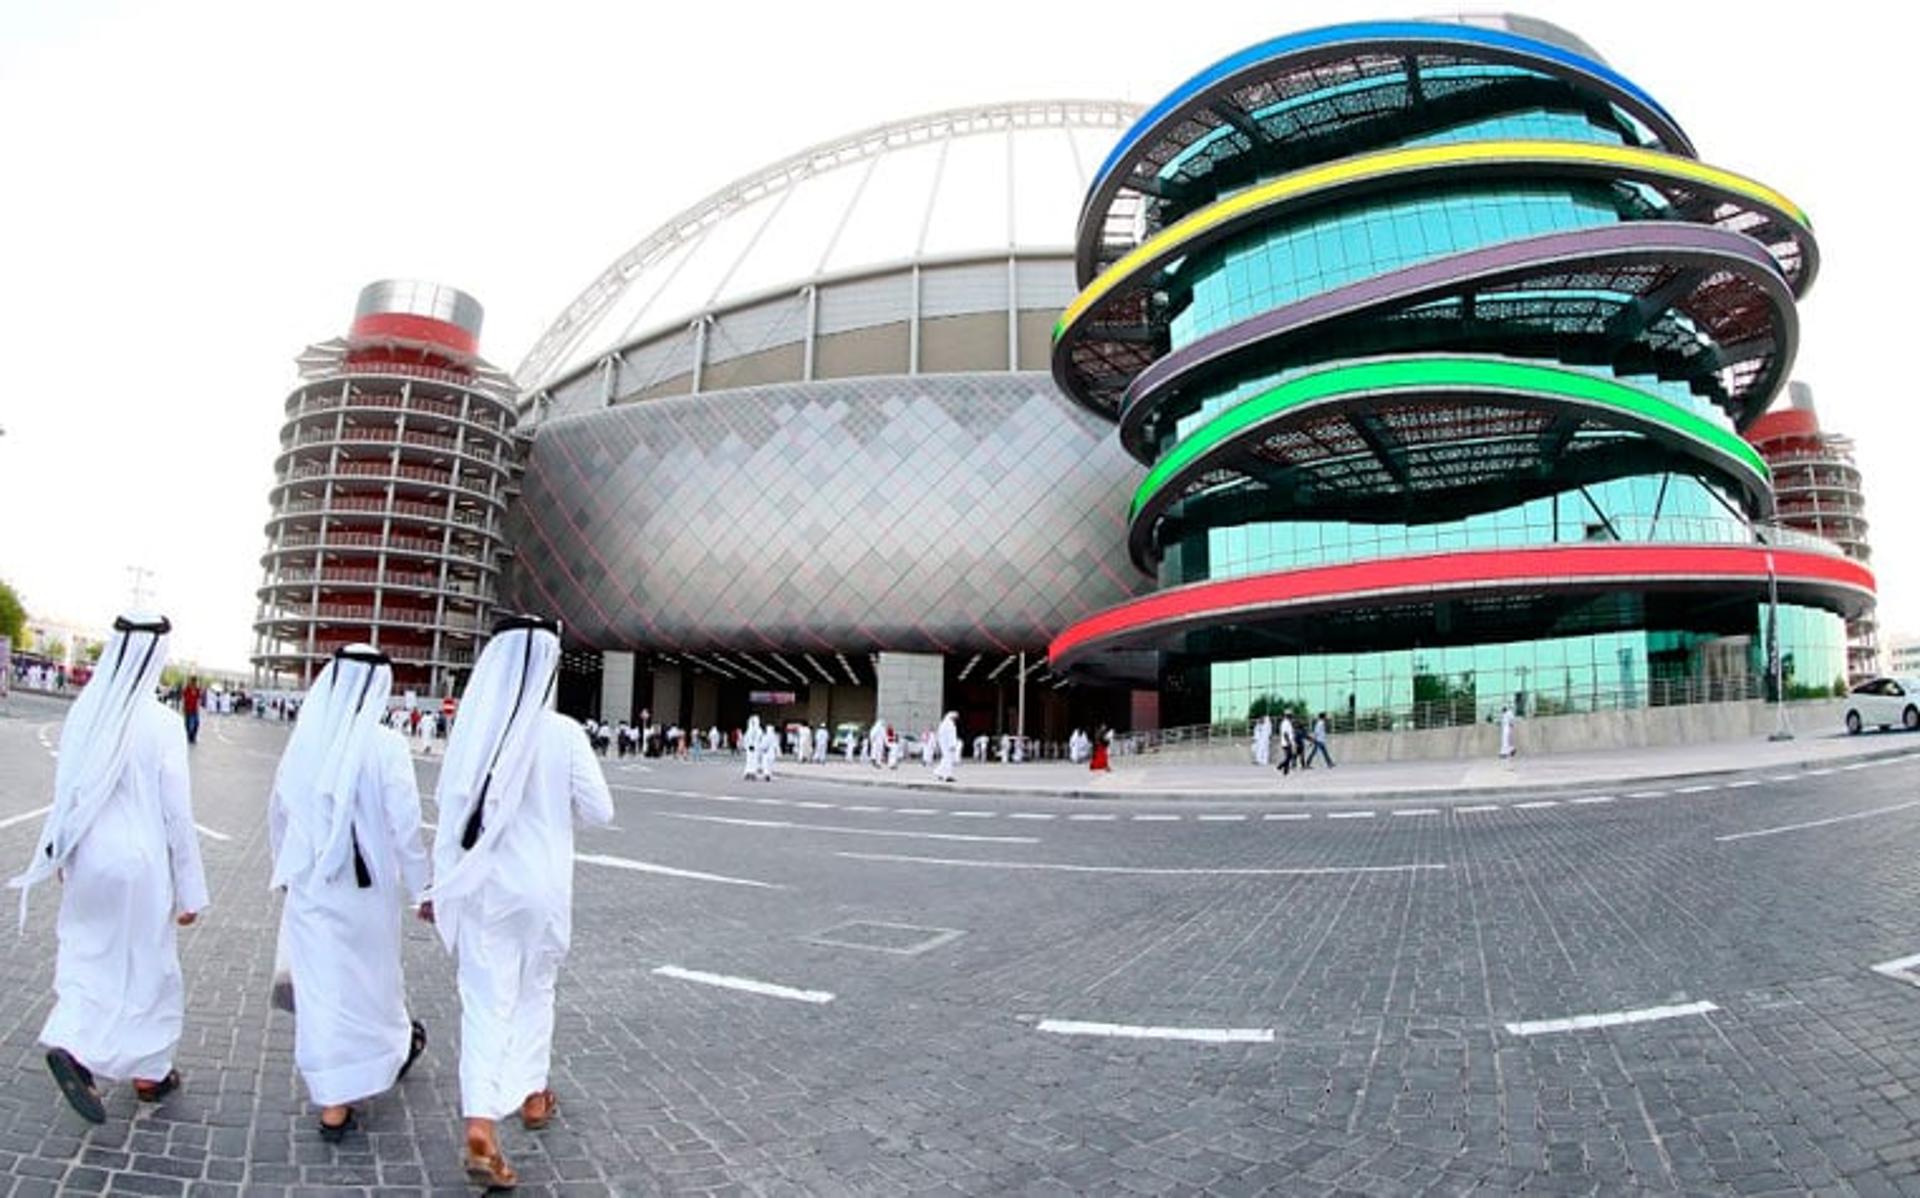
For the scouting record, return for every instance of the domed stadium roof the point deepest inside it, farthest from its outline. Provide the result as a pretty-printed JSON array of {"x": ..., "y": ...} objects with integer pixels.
[{"x": 1003, "y": 180}]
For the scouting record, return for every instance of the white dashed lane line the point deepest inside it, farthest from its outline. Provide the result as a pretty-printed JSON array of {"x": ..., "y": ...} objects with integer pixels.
[
  {"x": 668, "y": 871},
  {"x": 1646, "y": 794},
  {"x": 1128, "y": 1031},
  {"x": 1084, "y": 817},
  {"x": 1305, "y": 871},
  {"x": 1351, "y": 814},
  {"x": 1477, "y": 809},
  {"x": 25, "y": 816},
  {"x": 1155, "y": 818},
  {"x": 746, "y": 985},
  {"x": 1696, "y": 790},
  {"x": 1413, "y": 811},
  {"x": 1581, "y": 1023},
  {"x": 1222, "y": 819},
  {"x": 734, "y": 822},
  {"x": 1816, "y": 823},
  {"x": 1590, "y": 800},
  {"x": 1743, "y": 785},
  {"x": 1536, "y": 805},
  {"x": 1288, "y": 816}
]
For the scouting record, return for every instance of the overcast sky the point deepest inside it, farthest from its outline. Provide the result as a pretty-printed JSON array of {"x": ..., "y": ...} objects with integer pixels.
[{"x": 195, "y": 191}]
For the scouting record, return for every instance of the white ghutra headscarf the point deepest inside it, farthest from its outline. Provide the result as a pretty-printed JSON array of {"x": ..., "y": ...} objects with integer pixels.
[
  {"x": 490, "y": 757},
  {"x": 96, "y": 742},
  {"x": 313, "y": 790}
]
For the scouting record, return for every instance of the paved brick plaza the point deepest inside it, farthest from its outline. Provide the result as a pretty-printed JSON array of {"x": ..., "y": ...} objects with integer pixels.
[{"x": 1368, "y": 990}]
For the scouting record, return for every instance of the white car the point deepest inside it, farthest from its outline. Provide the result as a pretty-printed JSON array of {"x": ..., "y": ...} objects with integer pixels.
[{"x": 1884, "y": 702}]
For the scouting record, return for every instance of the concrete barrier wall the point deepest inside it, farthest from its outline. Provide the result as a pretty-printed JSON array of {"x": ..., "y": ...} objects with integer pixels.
[{"x": 1643, "y": 727}]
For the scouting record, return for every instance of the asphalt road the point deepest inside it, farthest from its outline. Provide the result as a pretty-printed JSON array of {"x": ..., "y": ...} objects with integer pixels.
[{"x": 798, "y": 987}]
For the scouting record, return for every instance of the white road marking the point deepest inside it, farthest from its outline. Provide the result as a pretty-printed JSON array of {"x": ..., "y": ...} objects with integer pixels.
[
  {"x": 1591, "y": 799},
  {"x": 1413, "y": 811},
  {"x": 1536, "y": 805},
  {"x": 1818, "y": 823},
  {"x": 1221, "y": 819},
  {"x": 1351, "y": 814},
  {"x": 1646, "y": 794},
  {"x": 732, "y": 821},
  {"x": 211, "y": 834},
  {"x": 1742, "y": 785},
  {"x": 24, "y": 816},
  {"x": 667, "y": 871},
  {"x": 768, "y": 989},
  {"x": 1291, "y": 816},
  {"x": 1478, "y": 809},
  {"x": 866, "y": 809},
  {"x": 1093, "y": 818},
  {"x": 772, "y": 802},
  {"x": 1198, "y": 1035},
  {"x": 1697, "y": 790},
  {"x": 1155, "y": 819},
  {"x": 1152, "y": 871},
  {"x": 1779, "y": 777},
  {"x": 815, "y": 805},
  {"x": 1819, "y": 773},
  {"x": 1580, "y": 1023},
  {"x": 1031, "y": 815},
  {"x": 971, "y": 814},
  {"x": 914, "y": 811},
  {"x": 1900, "y": 970}
]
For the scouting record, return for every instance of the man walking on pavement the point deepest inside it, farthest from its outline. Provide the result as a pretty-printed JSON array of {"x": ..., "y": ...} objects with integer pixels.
[{"x": 120, "y": 838}]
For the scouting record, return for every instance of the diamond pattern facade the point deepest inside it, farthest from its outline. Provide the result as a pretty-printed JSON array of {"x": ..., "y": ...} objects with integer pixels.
[{"x": 927, "y": 513}]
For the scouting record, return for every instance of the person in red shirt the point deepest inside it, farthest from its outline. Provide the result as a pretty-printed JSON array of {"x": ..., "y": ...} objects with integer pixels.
[{"x": 190, "y": 707}]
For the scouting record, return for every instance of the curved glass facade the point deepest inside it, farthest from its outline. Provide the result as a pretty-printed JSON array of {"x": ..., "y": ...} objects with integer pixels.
[{"x": 1390, "y": 335}]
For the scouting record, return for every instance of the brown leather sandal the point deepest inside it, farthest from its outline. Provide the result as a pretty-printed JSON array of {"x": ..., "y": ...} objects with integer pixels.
[
  {"x": 539, "y": 1109},
  {"x": 147, "y": 1091},
  {"x": 487, "y": 1168}
]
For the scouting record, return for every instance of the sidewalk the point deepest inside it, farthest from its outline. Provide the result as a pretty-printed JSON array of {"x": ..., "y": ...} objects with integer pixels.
[{"x": 1613, "y": 770}]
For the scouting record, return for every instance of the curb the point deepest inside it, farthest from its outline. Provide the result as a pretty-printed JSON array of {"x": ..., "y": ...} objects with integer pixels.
[{"x": 1427, "y": 794}]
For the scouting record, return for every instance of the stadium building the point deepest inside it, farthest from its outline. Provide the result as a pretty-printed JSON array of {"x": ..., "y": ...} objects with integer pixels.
[
  {"x": 798, "y": 452},
  {"x": 1436, "y": 341}
]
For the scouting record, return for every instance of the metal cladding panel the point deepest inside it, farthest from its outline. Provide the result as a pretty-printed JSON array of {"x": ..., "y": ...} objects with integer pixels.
[{"x": 926, "y": 514}]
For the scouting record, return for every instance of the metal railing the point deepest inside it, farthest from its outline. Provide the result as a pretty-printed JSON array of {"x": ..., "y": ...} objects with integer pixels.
[{"x": 1469, "y": 709}]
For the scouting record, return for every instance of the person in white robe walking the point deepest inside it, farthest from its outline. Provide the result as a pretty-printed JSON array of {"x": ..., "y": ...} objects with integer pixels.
[
  {"x": 120, "y": 837},
  {"x": 517, "y": 777},
  {"x": 769, "y": 751},
  {"x": 877, "y": 744},
  {"x": 820, "y": 744},
  {"x": 344, "y": 823},
  {"x": 948, "y": 739},
  {"x": 1506, "y": 731},
  {"x": 750, "y": 750},
  {"x": 1263, "y": 740}
]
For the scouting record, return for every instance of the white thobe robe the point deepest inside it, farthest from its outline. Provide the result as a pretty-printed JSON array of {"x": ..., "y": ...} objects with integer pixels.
[
  {"x": 1263, "y": 742},
  {"x": 120, "y": 998},
  {"x": 877, "y": 745},
  {"x": 514, "y": 928},
  {"x": 820, "y": 745},
  {"x": 351, "y": 1031},
  {"x": 769, "y": 751},
  {"x": 1506, "y": 734},
  {"x": 949, "y": 741}
]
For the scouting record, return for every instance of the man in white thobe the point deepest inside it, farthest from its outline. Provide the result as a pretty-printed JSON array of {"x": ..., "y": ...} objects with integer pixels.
[
  {"x": 877, "y": 744},
  {"x": 750, "y": 749},
  {"x": 1506, "y": 730},
  {"x": 344, "y": 822},
  {"x": 1263, "y": 740},
  {"x": 820, "y": 744},
  {"x": 120, "y": 837},
  {"x": 517, "y": 776},
  {"x": 769, "y": 751},
  {"x": 948, "y": 739}
]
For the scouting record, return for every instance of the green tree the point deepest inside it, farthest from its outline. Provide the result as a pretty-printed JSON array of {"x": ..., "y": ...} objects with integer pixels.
[
  {"x": 55, "y": 649},
  {"x": 13, "y": 616},
  {"x": 1439, "y": 701},
  {"x": 90, "y": 650}
]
